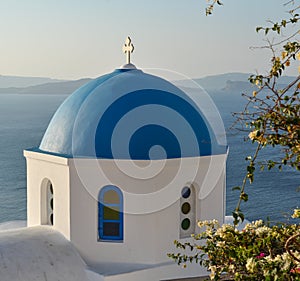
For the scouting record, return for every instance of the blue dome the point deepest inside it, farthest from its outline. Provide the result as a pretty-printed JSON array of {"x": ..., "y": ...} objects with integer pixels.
[{"x": 129, "y": 114}]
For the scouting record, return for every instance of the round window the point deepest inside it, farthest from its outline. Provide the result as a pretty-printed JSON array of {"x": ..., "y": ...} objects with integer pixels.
[
  {"x": 185, "y": 208},
  {"x": 185, "y": 224},
  {"x": 186, "y": 192}
]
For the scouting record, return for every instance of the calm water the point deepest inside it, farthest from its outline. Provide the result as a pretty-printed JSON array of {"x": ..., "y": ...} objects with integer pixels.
[{"x": 24, "y": 118}]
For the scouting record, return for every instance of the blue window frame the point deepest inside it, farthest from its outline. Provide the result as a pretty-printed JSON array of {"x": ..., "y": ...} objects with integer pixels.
[{"x": 110, "y": 214}]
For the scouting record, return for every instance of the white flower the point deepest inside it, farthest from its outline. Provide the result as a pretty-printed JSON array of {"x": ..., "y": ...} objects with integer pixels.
[
  {"x": 213, "y": 270},
  {"x": 253, "y": 225},
  {"x": 297, "y": 254},
  {"x": 221, "y": 244},
  {"x": 250, "y": 265},
  {"x": 257, "y": 136},
  {"x": 252, "y": 135},
  {"x": 286, "y": 259},
  {"x": 231, "y": 268},
  {"x": 262, "y": 230},
  {"x": 296, "y": 214},
  {"x": 258, "y": 223}
]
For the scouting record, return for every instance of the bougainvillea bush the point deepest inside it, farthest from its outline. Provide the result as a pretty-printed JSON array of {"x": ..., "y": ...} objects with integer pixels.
[
  {"x": 272, "y": 118},
  {"x": 258, "y": 252}
]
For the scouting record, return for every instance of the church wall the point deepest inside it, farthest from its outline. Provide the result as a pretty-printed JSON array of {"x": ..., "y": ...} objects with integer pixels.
[
  {"x": 214, "y": 203},
  {"x": 40, "y": 168},
  {"x": 151, "y": 206},
  {"x": 211, "y": 185},
  {"x": 151, "y": 211},
  {"x": 84, "y": 226}
]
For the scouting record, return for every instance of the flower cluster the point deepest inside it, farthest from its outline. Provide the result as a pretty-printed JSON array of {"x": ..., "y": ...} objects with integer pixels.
[
  {"x": 258, "y": 252},
  {"x": 296, "y": 214},
  {"x": 257, "y": 136}
]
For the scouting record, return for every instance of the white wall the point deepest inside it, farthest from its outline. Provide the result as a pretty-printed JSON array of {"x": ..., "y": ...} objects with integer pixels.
[
  {"x": 41, "y": 167},
  {"x": 151, "y": 193},
  {"x": 148, "y": 236}
]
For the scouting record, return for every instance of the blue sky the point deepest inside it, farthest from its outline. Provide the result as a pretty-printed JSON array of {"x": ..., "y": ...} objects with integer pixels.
[{"x": 70, "y": 39}]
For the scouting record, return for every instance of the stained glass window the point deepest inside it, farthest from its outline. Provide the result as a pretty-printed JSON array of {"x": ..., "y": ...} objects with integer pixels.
[{"x": 110, "y": 214}]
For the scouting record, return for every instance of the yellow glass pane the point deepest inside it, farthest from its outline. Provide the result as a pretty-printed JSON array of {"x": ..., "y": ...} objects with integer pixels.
[
  {"x": 185, "y": 208},
  {"x": 111, "y": 197},
  {"x": 111, "y": 213}
]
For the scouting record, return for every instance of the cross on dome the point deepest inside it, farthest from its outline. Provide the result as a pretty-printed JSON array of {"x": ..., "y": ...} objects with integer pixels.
[{"x": 128, "y": 49}]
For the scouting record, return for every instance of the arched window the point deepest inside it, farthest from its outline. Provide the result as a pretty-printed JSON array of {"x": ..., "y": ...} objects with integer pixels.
[
  {"x": 187, "y": 212},
  {"x": 110, "y": 214},
  {"x": 47, "y": 203}
]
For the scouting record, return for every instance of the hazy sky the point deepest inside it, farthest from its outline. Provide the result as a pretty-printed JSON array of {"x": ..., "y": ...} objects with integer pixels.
[{"x": 70, "y": 39}]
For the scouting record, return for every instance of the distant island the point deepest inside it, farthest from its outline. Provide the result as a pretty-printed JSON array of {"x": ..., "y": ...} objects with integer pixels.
[
  {"x": 48, "y": 88},
  {"x": 233, "y": 82},
  {"x": 228, "y": 82}
]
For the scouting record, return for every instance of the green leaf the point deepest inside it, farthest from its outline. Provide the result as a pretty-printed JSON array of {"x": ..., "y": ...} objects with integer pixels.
[
  {"x": 241, "y": 215},
  {"x": 236, "y": 188},
  {"x": 258, "y": 28},
  {"x": 235, "y": 214},
  {"x": 244, "y": 196},
  {"x": 267, "y": 30},
  {"x": 250, "y": 168},
  {"x": 283, "y": 23}
]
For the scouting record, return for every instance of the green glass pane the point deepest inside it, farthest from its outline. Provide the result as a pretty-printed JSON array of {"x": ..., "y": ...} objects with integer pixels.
[
  {"x": 185, "y": 208},
  {"x": 185, "y": 224},
  {"x": 111, "y": 197},
  {"x": 111, "y": 213}
]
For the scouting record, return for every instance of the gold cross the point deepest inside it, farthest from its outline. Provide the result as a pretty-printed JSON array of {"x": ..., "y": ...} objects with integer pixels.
[{"x": 128, "y": 49}]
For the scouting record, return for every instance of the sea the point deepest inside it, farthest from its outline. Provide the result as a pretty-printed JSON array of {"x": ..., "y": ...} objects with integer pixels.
[{"x": 24, "y": 119}]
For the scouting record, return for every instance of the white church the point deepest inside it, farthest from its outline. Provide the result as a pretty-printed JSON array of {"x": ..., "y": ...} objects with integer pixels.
[{"x": 128, "y": 164}]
